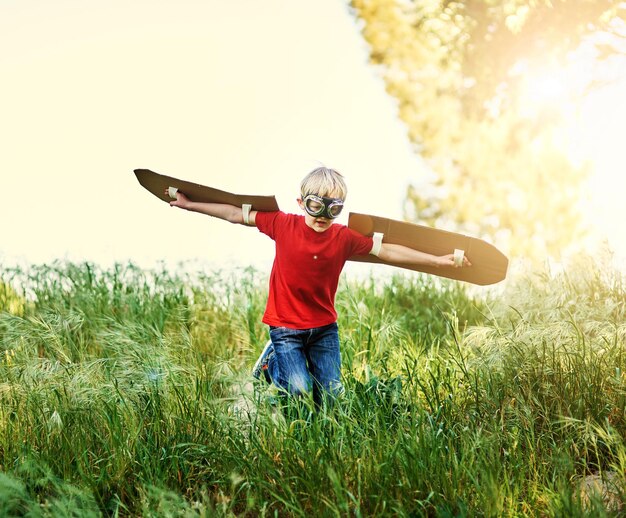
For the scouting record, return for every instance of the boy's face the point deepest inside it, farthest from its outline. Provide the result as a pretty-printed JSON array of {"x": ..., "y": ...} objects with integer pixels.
[{"x": 319, "y": 223}]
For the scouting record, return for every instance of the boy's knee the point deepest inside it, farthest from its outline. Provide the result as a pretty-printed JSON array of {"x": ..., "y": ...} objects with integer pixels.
[{"x": 298, "y": 385}]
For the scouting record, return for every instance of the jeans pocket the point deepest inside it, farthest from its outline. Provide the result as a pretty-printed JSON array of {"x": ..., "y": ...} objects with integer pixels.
[{"x": 279, "y": 333}]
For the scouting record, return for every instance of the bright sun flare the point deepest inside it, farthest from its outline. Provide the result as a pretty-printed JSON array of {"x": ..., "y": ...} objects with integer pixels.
[{"x": 594, "y": 126}]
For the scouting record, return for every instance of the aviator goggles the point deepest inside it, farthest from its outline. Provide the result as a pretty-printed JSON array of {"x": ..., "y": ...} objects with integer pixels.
[{"x": 321, "y": 206}]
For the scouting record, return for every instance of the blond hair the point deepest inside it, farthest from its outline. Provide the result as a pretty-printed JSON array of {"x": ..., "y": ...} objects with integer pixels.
[{"x": 324, "y": 181}]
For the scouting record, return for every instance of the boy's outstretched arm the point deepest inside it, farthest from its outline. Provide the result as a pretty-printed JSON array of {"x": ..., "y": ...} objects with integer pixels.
[
  {"x": 403, "y": 255},
  {"x": 223, "y": 211}
]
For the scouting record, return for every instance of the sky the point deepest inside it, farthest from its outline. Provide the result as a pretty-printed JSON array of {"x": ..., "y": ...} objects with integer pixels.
[
  {"x": 241, "y": 95},
  {"x": 244, "y": 96}
]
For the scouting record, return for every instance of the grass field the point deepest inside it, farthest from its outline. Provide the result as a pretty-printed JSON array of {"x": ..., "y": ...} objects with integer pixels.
[{"x": 127, "y": 393}]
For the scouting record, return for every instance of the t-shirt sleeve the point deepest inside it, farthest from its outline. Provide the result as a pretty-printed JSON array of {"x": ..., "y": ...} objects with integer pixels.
[
  {"x": 267, "y": 222},
  {"x": 358, "y": 243}
]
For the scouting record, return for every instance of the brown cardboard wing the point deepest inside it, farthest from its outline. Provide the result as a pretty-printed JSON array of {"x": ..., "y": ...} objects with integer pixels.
[
  {"x": 489, "y": 265},
  {"x": 157, "y": 184}
]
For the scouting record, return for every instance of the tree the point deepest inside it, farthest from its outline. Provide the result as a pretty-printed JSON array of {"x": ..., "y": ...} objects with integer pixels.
[{"x": 459, "y": 71}]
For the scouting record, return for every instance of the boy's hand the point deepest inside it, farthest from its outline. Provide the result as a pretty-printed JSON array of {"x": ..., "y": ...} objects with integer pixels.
[
  {"x": 448, "y": 260},
  {"x": 181, "y": 200}
]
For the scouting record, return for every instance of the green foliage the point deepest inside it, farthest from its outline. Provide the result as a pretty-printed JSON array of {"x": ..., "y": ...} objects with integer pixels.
[
  {"x": 458, "y": 71},
  {"x": 10, "y": 300},
  {"x": 128, "y": 394}
]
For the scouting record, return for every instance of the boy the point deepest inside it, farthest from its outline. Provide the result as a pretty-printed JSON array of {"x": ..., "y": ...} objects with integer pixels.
[{"x": 303, "y": 351}]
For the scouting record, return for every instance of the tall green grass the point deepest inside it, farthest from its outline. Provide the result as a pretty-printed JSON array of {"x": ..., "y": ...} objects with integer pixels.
[{"x": 125, "y": 392}]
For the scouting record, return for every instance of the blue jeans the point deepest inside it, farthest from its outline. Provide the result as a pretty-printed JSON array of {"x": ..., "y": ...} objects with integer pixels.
[{"x": 305, "y": 360}]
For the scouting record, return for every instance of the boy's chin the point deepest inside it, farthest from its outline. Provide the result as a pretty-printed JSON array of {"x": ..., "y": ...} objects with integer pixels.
[{"x": 321, "y": 226}]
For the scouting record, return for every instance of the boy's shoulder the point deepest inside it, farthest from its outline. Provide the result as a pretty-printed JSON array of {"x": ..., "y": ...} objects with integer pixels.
[
  {"x": 276, "y": 221},
  {"x": 278, "y": 215}
]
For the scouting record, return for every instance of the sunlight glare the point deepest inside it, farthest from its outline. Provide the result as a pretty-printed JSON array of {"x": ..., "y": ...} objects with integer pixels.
[{"x": 589, "y": 97}]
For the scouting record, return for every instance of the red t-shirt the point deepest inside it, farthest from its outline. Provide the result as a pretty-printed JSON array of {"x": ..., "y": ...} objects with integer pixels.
[{"x": 306, "y": 269}]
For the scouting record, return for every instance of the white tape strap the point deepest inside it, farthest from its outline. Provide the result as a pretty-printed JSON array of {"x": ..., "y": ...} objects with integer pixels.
[
  {"x": 172, "y": 192},
  {"x": 378, "y": 243},
  {"x": 246, "y": 208},
  {"x": 458, "y": 257}
]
